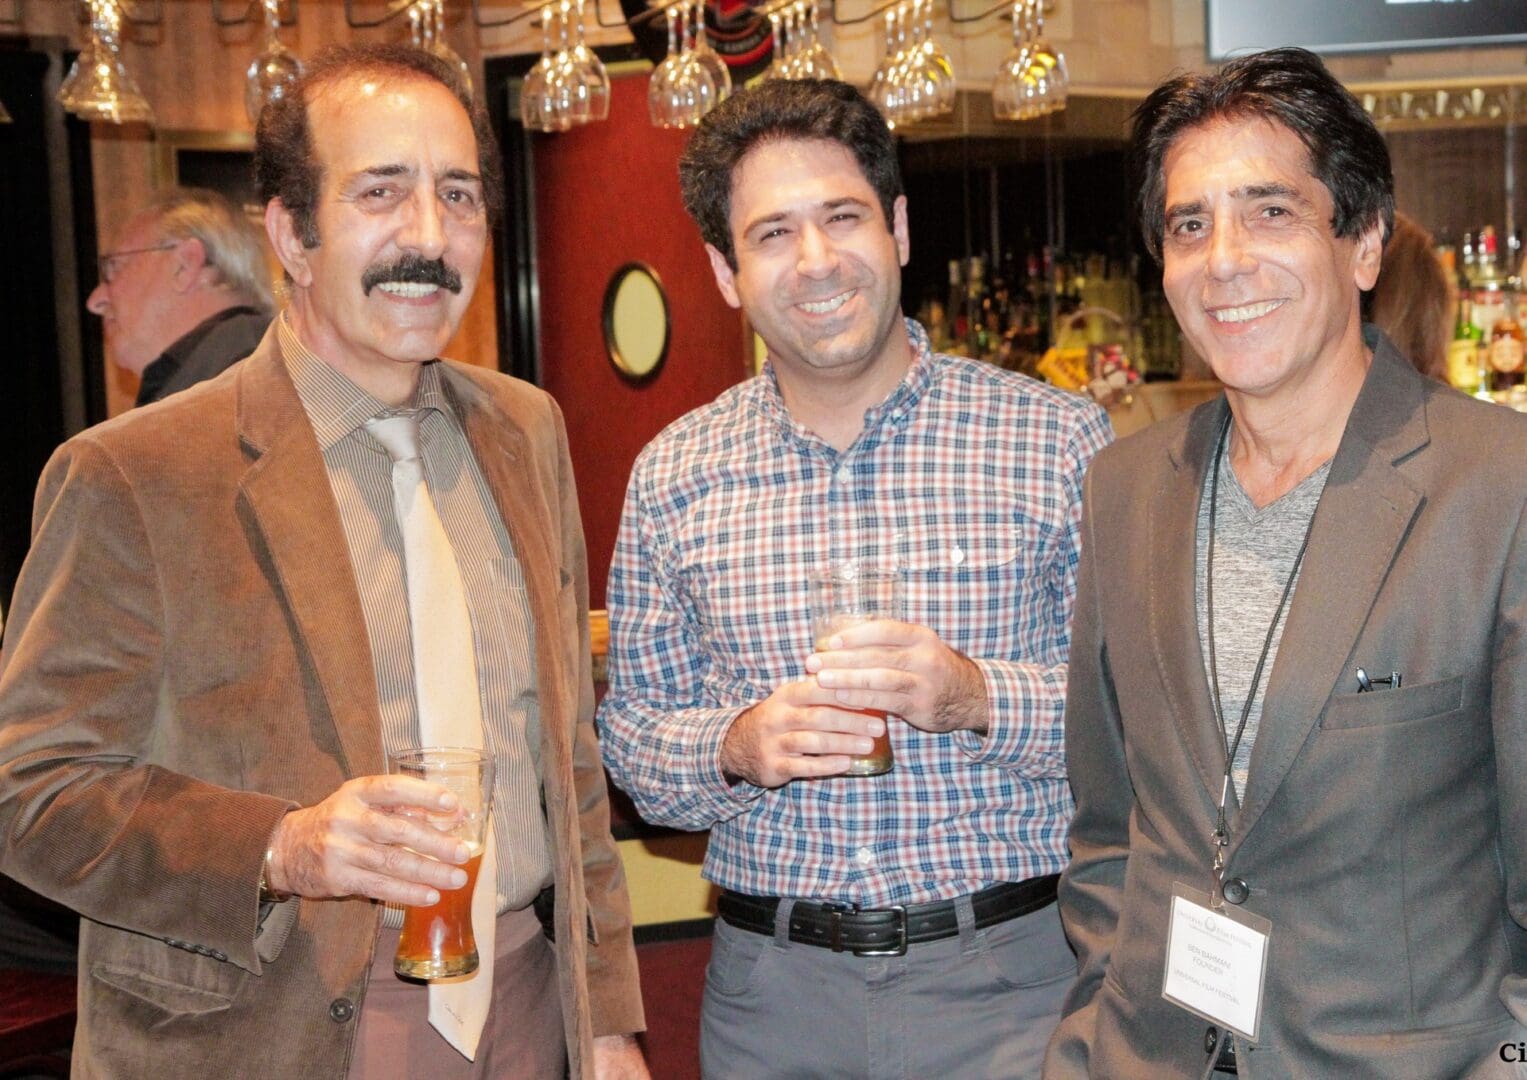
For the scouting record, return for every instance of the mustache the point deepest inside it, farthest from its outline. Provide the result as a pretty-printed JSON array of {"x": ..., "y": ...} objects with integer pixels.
[{"x": 412, "y": 268}]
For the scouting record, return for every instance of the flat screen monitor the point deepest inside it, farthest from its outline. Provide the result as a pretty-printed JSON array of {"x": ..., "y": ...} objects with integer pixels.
[{"x": 1358, "y": 26}]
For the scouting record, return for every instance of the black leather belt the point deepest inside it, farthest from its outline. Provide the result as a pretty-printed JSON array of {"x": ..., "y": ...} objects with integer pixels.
[{"x": 885, "y": 931}]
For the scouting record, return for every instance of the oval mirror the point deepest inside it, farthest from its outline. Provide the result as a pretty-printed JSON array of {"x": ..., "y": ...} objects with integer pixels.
[{"x": 636, "y": 321}]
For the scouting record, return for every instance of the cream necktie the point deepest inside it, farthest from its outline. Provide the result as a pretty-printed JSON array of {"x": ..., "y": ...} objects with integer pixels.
[{"x": 450, "y": 708}]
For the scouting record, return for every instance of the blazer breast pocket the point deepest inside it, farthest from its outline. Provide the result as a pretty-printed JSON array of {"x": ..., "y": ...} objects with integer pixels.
[{"x": 1386, "y": 708}]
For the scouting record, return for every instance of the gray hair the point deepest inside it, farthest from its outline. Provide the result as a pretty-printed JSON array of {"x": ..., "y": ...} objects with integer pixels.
[{"x": 234, "y": 246}]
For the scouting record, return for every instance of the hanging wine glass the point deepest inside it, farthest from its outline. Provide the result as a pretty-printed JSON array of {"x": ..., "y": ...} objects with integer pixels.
[
  {"x": 272, "y": 73},
  {"x": 561, "y": 79},
  {"x": 708, "y": 58},
  {"x": 938, "y": 69},
  {"x": 778, "y": 65},
  {"x": 534, "y": 100},
  {"x": 917, "y": 89},
  {"x": 681, "y": 90},
  {"x": 434, "y": 41},
  {"x": 822, "y": 63},
  {"x": 593, "y": 80},
  {"x": 884, "y": 92},
  {"x": 1007, "y": 87},
  {"x": 98, "y": 86},
  {"x": 1057, "y": 79}
]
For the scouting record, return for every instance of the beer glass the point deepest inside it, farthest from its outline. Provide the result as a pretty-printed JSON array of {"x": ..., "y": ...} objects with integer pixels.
[
  {"x": 437, "y": 940},
  {"x": 844, "y": 594}
]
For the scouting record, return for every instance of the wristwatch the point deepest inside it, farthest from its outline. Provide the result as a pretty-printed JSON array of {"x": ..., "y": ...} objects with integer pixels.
[{"x": 267, "y": 894}]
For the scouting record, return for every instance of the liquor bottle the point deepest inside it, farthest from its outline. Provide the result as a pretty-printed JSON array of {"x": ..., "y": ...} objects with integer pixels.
[
  {"x": 1462, "y": 351},
  {"x": 975, "y": 293},
  {"x": 1466, "y": 270},
  {"x": 1507, "y": 355},
  {"x": 1037, "y": 290},
  {"x": 954, "y": 311},
  {"x": 1488, "y": 291}
]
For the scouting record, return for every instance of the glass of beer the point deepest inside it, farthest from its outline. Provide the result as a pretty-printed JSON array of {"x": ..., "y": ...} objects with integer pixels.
[
  {"x": 437, "y": 940},
  {"x": 842, "y": 595}
]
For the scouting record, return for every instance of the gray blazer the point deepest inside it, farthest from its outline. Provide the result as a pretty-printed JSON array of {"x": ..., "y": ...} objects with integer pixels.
[{"x": 1384, "y": 835}]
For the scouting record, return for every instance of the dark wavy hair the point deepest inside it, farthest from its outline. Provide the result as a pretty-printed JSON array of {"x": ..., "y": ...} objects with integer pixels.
[
  {"x": 286, "y": 167},
  {"x": 1290, "y": 87},
  {"x": 781, "y": 109}
]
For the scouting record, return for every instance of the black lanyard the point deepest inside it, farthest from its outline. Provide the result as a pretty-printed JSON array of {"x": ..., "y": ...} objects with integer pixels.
[{"x": 1221, "y": 830}]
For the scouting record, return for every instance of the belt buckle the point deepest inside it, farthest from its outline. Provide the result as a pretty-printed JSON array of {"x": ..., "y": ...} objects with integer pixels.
[{"x": 899, "y": 949}]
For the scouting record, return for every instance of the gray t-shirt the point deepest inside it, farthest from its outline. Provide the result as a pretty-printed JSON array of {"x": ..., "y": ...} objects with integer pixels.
[{"x": 1254, "y": 552}]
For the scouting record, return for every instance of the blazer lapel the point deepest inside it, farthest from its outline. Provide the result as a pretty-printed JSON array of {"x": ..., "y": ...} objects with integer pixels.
[
  {"x": 288, "y": 508},
  {"x": 1360, "y": 525},
  {"x": 499, "y": 443},
  {"x": 1173, "y": 608}
]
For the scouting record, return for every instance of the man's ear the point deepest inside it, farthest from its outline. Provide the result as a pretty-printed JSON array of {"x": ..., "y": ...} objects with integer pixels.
[
  {"x": 293, "y": 255},
  {"x": 1368, "y": 255},
  {"x": 899, "y": 229},
  {"x": 190, "y": 261},
  {"x": 725, "y": 276}
]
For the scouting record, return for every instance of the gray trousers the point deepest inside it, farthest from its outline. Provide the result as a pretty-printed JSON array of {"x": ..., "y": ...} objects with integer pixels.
[{"x": 979, "y": 1006}]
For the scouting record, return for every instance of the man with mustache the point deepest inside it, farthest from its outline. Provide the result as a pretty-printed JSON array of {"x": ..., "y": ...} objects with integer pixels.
[
  {"x": 1297, "y": 719},
  {"x": 238, "y": 602},
  {"x": 871, "y": 926}
]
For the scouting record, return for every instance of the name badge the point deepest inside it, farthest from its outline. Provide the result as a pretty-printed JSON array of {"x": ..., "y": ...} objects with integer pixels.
[{"x": 1216, "y": 961}]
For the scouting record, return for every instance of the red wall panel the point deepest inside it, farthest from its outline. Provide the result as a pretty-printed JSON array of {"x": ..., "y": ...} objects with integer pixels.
[{"x": 608, "y": 194}]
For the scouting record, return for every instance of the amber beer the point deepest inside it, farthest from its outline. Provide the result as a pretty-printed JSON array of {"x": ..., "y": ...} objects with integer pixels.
[
  {"x": 844, "y": 594},
  {"x": 437, "y": 940},
  {"x": 879, "y": 759}
]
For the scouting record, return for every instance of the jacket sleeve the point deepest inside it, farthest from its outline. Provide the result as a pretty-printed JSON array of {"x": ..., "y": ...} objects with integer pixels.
[
  {"x": 84, "y": 818},
  {"x": 1091, "y": 887},
  {"x": 615, "y": 997}
]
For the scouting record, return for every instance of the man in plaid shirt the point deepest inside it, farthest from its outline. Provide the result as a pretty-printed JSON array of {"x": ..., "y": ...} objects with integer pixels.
[{"x": 898, "y": 925}]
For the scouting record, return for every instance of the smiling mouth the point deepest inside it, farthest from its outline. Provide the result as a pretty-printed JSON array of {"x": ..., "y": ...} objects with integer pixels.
[
  {"x": 1246, "y": 312},
  {"x": 828, "y": 306},
  {"x": 410, "y": 290}
]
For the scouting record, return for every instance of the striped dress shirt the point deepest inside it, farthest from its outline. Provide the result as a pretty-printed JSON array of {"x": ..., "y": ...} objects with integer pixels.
[
  {"x": 360, "y": 476},
  {"x": 970, "y": 479}
]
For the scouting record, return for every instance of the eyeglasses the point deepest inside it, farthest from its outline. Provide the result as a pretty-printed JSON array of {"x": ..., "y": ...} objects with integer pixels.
[{"x": 108, "y": 264}]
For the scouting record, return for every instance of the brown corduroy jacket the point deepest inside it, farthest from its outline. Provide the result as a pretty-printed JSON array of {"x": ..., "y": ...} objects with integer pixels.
[{"x": 186, "y": 660}]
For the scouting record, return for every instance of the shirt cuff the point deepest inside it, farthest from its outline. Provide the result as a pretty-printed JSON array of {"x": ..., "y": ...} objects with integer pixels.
[
  {"x": 698, "y": 756},
  {"x": 1023, "y": 722}
]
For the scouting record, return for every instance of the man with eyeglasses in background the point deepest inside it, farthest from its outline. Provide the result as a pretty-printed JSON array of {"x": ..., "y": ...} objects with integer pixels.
[{"x": 184, "y": 293}]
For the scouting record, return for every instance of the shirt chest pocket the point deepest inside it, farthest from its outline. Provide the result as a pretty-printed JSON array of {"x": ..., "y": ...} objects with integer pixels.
[{"x": 969, "y": 569}]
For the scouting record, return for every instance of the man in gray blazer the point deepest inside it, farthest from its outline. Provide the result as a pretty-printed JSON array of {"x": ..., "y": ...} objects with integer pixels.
[{"x": 1297, "y": 713}]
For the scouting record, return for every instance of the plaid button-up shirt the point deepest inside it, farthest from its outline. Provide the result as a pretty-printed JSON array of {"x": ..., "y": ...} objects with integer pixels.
[{"x": 970, "y": 479}]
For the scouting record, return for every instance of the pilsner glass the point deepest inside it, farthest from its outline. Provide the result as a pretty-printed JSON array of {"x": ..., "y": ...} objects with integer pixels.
[
  {"x": 437, "y": 940},
  {"x": 844, "y": 594}
]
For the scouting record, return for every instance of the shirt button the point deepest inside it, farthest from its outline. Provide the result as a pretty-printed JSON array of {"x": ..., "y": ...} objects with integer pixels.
[
  {"x": 341, "y": 1010},
  {"x": 864, "y": 856},
  {"x": 956, "y": 555},
  {"x": 841, "y": 474}
]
